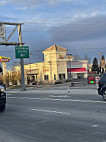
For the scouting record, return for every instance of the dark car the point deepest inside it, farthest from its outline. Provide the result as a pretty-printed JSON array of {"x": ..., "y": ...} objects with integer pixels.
[
  {"x": 2, "y": 97},
  {"x": 102, "y": 86}
]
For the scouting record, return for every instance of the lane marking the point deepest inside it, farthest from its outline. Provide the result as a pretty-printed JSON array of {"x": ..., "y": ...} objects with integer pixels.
[
  {"x": 41, "y": 122},
  {"x": 94, "y": 125},
  {"x": 12, "y": 97},
  {"x": 60, "y": 96},
  {"x": 9, "y": 94},
  {"x": 53, "y": 99},
  {"x": 23, "y": 135},
  {"x": 51, "y": 111}
]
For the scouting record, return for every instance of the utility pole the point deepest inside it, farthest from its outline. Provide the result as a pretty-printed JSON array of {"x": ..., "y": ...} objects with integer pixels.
[
  {"x": 100, "y": 53},
  {"x": 30, "y": 65},
  {"x": 21, "y": 60},
  {"x": 69, "y": 64}
]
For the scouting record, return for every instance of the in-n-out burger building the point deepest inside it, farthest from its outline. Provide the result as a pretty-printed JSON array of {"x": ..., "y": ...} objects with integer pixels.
[{"x": 57, "y": 66}]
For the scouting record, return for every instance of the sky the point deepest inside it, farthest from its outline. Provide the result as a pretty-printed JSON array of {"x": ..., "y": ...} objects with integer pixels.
[{"x": 78, "y": 25}]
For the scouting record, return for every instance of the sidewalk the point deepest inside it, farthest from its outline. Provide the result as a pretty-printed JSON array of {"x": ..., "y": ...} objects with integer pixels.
[{"x": 53, "y": 89}]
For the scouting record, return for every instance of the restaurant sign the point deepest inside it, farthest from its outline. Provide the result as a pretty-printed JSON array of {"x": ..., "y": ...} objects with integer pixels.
[{"x": 4, "y": 59}]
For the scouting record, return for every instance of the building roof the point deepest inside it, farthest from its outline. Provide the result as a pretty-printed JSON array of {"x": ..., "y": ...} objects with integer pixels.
[{"x": 55, "y": 47}]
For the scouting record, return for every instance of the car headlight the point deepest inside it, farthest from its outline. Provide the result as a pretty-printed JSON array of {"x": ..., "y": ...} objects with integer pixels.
[{"x": 2, "y": 89}]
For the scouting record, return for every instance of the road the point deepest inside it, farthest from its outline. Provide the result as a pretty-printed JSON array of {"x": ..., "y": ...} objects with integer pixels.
[{"x": 44, "y": 116}]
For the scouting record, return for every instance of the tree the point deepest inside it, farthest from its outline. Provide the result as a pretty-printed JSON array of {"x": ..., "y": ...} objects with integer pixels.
[
  {"x": 103, "y": 58},
  {"x": 95, "y": 67}
]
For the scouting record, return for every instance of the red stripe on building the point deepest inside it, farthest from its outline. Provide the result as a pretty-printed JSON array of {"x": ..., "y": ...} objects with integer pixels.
[{"x": 76, "y": 70}]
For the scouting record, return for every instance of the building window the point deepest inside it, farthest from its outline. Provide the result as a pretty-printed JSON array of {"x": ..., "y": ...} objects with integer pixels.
[
  {"x": 54, "y": 76},
  {"x": 61, "y": 76},
  {"x": 46, "y": 77}
]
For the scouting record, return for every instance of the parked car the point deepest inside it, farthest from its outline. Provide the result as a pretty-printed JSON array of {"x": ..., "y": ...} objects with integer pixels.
[
  {"x": 2, "y": 96},
  {"x": 102, "y": 86}
]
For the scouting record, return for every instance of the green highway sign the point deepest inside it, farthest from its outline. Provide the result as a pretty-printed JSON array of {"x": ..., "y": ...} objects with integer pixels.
[{"x": 22, "y": 51}]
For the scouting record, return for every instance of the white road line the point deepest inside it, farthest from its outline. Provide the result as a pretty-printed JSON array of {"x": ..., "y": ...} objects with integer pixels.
[
  {"x": 9, "y": 94},
  {"x": 51, "y": 111},
  {"x": 41, "y": 122},
  {"x": 12, "y": 97},
  {"x": 63, "y": 100},
  {"x": 60, "y": 96},
  {"x": 94, "y": 125},
  {"x": 23, "y": 135}
]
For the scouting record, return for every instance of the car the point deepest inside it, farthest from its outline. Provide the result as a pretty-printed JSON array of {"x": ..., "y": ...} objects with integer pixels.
[
  {"x": 2, "y": 97},
  {"x": 102, "y": 86}
]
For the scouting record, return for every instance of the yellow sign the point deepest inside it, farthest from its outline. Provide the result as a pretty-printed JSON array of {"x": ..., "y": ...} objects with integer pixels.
[{"x": 61, "y": 56}]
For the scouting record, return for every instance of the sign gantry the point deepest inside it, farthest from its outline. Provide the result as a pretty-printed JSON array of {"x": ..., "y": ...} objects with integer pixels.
[
  {"x": 4, "y": 38},
  {"x": 5, "y": 41}
]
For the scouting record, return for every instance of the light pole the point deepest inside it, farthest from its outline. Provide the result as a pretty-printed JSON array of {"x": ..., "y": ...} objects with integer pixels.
[
  {"x": 30, "y": 65},
  {"x": 100, "y": 53},
  {"x": 21, "y": 59},
  {"x": 69, "y": 64}
]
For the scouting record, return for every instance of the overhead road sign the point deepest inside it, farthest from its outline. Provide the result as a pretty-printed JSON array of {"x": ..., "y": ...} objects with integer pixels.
[{"x": 22, "y": 51}]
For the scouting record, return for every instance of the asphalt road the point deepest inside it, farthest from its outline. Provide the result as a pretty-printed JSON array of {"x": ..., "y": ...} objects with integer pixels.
[{"x": 78, "y": 116}]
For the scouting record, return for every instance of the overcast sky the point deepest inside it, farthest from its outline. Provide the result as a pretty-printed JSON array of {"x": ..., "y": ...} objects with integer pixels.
[{"x": 78, "y": 25}]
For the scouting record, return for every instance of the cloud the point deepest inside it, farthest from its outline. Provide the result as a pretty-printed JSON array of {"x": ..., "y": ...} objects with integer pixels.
[
  {"x": 85, "y": 29},
  {"x": 85, "y": 15},
  {"x": 21, "y": 3},
  {"x": 22, "y": 8},
  {"x": 4, "y": 2},
  {"x": 31, "y": 2},
  {"x": 53, "y": 2}
]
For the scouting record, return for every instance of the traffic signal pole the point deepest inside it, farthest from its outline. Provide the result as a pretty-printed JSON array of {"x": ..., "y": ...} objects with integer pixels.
[{"x": 21, "y": 60}]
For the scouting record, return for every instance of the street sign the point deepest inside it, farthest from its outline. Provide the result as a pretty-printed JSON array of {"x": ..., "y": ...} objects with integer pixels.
[{"x": 22, "y": 51}]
